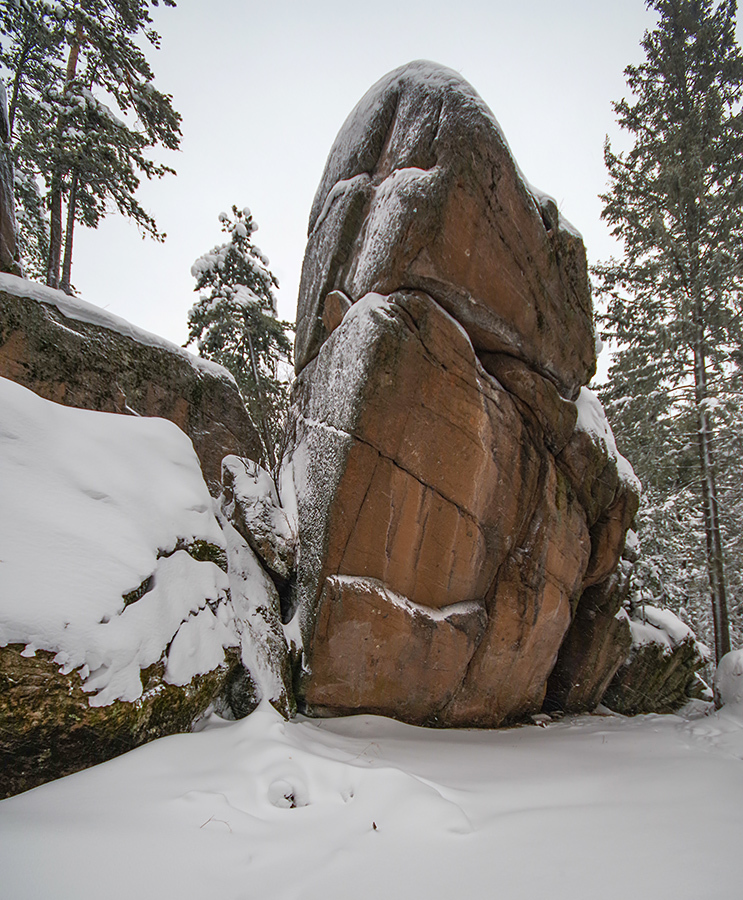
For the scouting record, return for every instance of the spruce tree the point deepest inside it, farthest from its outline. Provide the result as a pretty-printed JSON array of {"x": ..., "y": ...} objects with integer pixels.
[
  {"x": 234, "y": 323},
  {"x": 60, "y": 60},
  {"x": 675, "y": 200}
]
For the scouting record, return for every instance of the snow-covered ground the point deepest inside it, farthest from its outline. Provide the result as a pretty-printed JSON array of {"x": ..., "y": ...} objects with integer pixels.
[{"x": 589, "y": 807}]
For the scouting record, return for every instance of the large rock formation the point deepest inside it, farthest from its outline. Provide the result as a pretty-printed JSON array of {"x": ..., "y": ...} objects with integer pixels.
[
  {"x": 9, "y": 258},
  {"x": 458, "y": 492},
  {"x": 76, "y": 354}
]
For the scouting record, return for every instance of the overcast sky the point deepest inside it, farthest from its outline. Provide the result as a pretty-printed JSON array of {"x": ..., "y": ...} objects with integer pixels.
[{"x": 264, "y": 87}]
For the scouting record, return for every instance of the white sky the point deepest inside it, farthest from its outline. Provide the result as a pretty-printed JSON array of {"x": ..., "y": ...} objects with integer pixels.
[{"x": 263, "y": 89}]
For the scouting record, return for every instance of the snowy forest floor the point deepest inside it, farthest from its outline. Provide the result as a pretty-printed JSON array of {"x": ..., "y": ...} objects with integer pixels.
[{"x": 364, "y": 807}]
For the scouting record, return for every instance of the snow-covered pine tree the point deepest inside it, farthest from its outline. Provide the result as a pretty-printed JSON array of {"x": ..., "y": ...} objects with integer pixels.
[
  {"x": 234, "y": 323},
  {"x": 675, "y": 200},
  {"x": 86, "y": 153}
]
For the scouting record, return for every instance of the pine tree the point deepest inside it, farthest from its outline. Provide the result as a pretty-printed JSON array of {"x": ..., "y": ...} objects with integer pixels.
[
  {"x": 234, "y": 323},
  {"x": 59, "y": 60},
  {"x": 675, "y": 199}
]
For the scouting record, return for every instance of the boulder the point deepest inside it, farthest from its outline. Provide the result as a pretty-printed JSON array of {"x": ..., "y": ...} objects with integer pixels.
[
  {"x": 660, "y": 673},
  {"x": 78, "y": 355},
  {"x": 119, "y": 619},
  {"x": 421, "y": 191},
  {"x": 414, "y": 468},
  {"x": 446, "y": 456},
  {"x": 9, "y": 256}
]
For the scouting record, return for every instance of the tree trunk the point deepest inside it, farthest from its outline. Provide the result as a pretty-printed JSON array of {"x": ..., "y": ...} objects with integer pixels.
[
  {"x": 260, "y": 411},
  {"x": 66, "y": 283},
  {"x": 55, "y": 233},
  {"x": 715, "y": 560}
]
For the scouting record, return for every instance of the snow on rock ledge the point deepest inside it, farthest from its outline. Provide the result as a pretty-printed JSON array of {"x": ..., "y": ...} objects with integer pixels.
[
  {"x": 592, "y": 420},
  {"x": 77, "y": 354}
]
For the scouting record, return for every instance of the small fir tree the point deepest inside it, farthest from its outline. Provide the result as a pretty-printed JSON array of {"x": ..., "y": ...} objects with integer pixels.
[
  {"x": 675, "y": 200},
  {"x": 234, "y": 323}
]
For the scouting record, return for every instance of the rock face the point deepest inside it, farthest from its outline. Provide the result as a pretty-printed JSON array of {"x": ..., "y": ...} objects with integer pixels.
[
  {"x": 594, "y": 648},
  {"x": 420, "y": 191},
  {"x": 460, "y": 498},
  {"x": 77, "y": 355},
  {"x": 9, "y": 260}
]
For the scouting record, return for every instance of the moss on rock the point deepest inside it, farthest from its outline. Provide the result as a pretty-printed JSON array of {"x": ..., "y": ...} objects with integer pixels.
[{"x": 49, "y": 729}]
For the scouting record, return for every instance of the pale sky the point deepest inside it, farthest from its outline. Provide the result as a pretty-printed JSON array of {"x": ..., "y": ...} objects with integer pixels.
[{"x": 263, "y": 89}]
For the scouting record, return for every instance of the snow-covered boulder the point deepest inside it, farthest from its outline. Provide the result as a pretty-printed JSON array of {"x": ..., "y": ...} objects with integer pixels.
[
  {"x": 660, "y": 673},
  {"x": 77, "y": 354},
  {"x": 118, "y": 620}
]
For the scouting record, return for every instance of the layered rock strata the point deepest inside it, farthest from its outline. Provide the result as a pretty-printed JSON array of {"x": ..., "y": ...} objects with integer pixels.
[{"x": 455, "y": 503}]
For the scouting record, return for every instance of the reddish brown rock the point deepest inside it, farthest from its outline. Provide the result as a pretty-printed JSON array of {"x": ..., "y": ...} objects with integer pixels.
[
  {"x": 393, "y": 641},
  {"x": 79, "y": 363},
  {"x": 529, "y": 613},
  {"x": 554, "y": 416},
  {"x": 445, "y": 450},
  {"x": 395, "y": 397},
  {"x": 335, "y": 307},
  {"x": 420, "y": 191},
  {"x": 416, "y": 469}
]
